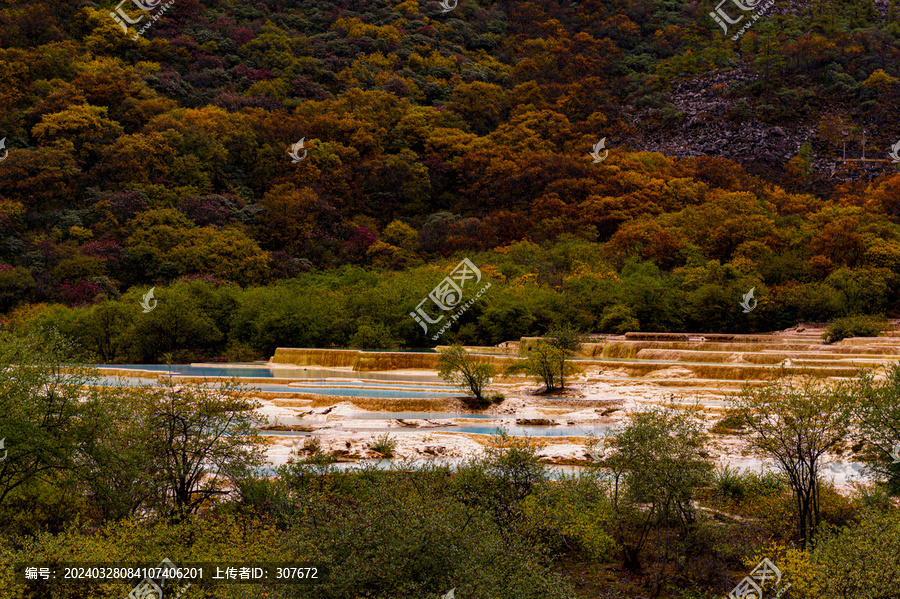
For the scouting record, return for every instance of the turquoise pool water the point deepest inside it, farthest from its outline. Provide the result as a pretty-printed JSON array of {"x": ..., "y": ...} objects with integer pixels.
[
  {"x": 362, "y": 391},
  {"x": 244, "y": 370},
  {"x": 475, "y": 429},
  {"x": 279, "y": 371},
  {"x": 419, "y": 415}
]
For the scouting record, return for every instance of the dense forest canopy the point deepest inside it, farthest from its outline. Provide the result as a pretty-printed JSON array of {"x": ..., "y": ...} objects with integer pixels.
[{"x": 141, "y": 160}]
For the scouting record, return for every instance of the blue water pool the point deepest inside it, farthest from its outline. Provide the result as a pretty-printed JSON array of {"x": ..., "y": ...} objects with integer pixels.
[
  {"x": 281, "y": 371},
  {"x": 354, "y": 392},
  {"x": 369, "y": 392},
  {"x": 246, "y": 370},
  {"x": 418, "y": 415},
  {"x": 474, "y": 429}
]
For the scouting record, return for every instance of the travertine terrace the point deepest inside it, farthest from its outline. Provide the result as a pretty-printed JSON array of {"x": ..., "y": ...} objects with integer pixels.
[{"x": 616, "y": 376}]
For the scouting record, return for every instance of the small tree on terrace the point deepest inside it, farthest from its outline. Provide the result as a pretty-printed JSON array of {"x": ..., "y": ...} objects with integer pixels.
[
  {"x": 548, "y": 361},
  {"x": 567, "y": 339},
  {"x": 796, "y": 421},
  {"x": 467, "y": 372}
]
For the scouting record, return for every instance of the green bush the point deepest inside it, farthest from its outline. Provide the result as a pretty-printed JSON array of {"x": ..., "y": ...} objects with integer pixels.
[
  {"x": 860, "y": 561},
  {"x": 400, "y": 535},
  {"x": 372, "y": 336},
  {"x": 854, "y": 326},
  {"x": 312, "y": 445},
  {"x": 572, "y": 512},
  {"x": 619, "y": 319},
  {"x": 729, "y": 425},
  {"x": 748, "y": 485},
  {"x": 728, "y": 482},
  {"x": 385, "y": 445},
  {"x": 502, "y": 478}
]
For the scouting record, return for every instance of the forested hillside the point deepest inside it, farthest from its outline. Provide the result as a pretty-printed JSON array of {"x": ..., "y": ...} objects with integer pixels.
[{"x": 432, "y": 134}]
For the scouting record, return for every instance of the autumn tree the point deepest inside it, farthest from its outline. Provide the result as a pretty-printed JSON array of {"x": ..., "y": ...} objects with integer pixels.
[
  {"x": 86, "y": 126},
  {"x": 482, "y": 105}
]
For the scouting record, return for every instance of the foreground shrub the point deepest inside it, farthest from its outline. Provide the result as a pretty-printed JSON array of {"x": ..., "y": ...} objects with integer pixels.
[
  {"x": 860, "y": 561},
  {"x": 212, "y": 540},
  {"x": 392, "y": 535},
  {"x": 657, "y": 465},
  {"x": 747, "y": 485},
  {"x": 572, "y": 514},
  {"x": 877, "y": 412},
  {"x": 501, "y": 479}
]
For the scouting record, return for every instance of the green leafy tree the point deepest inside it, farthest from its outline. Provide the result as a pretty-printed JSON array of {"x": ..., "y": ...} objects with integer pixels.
[
  {"x": 201, "y": 439},
  {"x": 795, "y": 421},
  {"x": 657, "y": 464},
  {"x": 103, "y": 329},
  {"x": 15, "y": 284},
  {"x": 467, "y": 372},
  {"x": 372, "y": 335},
  {"x": 877, "y": 414},
  {"x": 547, "y": 363},
  {"x": 178, "y": 324},
  {"x": 115, "y": 463},
  {"x": 45, "y": 397}
]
